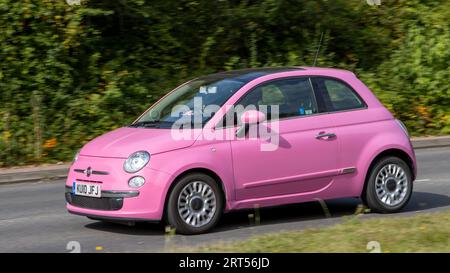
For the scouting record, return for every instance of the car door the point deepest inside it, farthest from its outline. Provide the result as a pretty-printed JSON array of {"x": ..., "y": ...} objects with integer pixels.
[
  {"x": 303, "y": 160},
  {"x": 354, "y": 123}
]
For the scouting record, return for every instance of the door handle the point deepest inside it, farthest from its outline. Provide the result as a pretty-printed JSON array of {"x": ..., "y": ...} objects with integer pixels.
[{"x": 325, "y": 135}]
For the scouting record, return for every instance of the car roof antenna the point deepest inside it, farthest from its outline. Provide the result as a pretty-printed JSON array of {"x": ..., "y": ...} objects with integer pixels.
[{"x": 318, "y": 49}]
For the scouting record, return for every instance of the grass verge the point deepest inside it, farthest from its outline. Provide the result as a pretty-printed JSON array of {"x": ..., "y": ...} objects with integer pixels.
[{"x": 420, "y": 233}]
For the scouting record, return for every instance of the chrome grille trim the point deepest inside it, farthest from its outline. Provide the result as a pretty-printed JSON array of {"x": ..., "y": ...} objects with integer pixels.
[{"x": 91, "y": 172}]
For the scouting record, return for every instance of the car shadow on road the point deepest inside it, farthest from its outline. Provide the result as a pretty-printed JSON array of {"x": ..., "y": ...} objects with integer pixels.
[
  {"x": 302, "y": 213},
  {"x": 248, "y": 218},
  {"x": 425, "y": 200}
]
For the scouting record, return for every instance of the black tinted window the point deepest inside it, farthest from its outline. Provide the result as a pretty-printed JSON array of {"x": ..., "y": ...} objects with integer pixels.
[
  {"x": 293, "y": 96},
  {"x": 336, "y": 95}
]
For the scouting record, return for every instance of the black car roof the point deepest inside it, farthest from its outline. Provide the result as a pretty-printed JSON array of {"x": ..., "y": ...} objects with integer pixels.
[{"x": 249, "y": 74}]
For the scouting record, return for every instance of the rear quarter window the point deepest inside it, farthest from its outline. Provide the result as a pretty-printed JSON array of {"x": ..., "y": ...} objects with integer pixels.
[{"x": 337, "y": 95}]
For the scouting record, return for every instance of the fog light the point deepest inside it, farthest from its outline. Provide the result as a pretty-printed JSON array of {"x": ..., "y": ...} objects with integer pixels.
[{"x": 136, "y": 181}]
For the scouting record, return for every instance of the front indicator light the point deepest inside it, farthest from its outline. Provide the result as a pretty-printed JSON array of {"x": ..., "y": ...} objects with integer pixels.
[{"x": 136, "y": 181}]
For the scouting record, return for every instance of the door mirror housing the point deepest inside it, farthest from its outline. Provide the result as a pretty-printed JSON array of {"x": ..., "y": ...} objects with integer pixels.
[
  {"x": 252, "y": 117},
  {"x": 248, "y": 118}
]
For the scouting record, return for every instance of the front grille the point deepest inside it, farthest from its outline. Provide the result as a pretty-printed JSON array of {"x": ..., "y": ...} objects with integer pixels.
[{"x": 103, "y": 203}]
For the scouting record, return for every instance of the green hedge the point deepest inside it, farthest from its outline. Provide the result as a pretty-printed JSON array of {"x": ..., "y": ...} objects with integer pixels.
[{"x": 70, "y": 73}]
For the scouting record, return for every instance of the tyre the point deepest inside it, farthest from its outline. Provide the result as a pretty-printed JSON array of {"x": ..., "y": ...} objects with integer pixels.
[
  {"x": 195, "y": 204},
  {"x": 389, "y": 186}
]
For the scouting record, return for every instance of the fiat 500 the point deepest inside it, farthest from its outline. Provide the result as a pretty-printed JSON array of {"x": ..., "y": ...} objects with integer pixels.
[{"x": 243, "y": 139}]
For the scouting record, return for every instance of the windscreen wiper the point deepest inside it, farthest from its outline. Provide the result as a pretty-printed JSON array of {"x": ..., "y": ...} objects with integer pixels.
[{"x": 149, "y": 123}]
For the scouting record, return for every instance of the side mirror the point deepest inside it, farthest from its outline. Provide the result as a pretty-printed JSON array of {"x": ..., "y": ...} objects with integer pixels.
[
  {"x": 252, "y": 117},
  {"x": 248, "y": 118}
]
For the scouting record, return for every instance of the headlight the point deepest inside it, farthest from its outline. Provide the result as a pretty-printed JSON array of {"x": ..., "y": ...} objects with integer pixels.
[
  {"x": 136, "y": 181},
  {"x": 136, "y": 161}
]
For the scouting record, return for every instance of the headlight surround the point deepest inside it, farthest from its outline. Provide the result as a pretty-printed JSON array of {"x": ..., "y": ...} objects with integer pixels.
[
  {"x": 403, "y": 126},
  {"x": 136, "y": 161},
  {"x": 136, "y": 181},
  {"x": 75, "y": 157}
]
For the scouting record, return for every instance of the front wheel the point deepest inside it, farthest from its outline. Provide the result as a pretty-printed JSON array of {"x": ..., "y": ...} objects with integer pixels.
[
  {"x": 195, "y": 204},
  {"x": 389, "y": 186}
]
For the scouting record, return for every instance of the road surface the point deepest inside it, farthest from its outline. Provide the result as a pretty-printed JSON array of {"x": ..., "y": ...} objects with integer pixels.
[{"x": 33, "y": 217}]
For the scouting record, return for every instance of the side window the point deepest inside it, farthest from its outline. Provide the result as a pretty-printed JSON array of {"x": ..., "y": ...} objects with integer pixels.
[
  {"x": 337, "y": 95},
  {"x": 293, "y": 96}
]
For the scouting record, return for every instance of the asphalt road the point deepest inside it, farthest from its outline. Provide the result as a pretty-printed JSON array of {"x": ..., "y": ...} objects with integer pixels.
[{"x": 33, "y": 217}]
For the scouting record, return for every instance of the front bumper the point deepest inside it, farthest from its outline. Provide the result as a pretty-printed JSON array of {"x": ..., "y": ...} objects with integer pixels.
[
  {"x": 114, "y": 219},
  {"x": 118, "y": 201},
  {"x": 110, "y": 200}
]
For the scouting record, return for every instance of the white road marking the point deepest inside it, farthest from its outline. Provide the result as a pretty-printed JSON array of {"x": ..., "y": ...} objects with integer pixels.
[{"x": 422, "y": 180}]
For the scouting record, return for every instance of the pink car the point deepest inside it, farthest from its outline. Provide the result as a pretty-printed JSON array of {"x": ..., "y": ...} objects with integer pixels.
[{"x": 244, "y": 139}]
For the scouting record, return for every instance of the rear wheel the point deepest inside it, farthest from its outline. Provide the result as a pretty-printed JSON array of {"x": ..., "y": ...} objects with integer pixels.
[
  {"x": 195, "y": 204},
  {"x": 389, "y": 186}
]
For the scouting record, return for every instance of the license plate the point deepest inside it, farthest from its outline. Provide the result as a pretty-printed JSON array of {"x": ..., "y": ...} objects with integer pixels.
[{"x": 87, "y": 189}]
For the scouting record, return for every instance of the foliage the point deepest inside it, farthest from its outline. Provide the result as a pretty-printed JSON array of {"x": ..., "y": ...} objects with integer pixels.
[
  {"x": 70, "y": 73},
  {"x": 415, "y": 81}
]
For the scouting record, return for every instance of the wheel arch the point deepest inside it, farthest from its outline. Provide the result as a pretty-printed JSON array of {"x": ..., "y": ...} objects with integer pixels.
[
  {"x": 389, "y": 152},
  {"x": 203, "y": 170}
]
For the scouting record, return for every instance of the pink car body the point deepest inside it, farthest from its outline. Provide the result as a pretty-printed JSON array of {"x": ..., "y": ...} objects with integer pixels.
[{"x": 304, "y": 168}]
